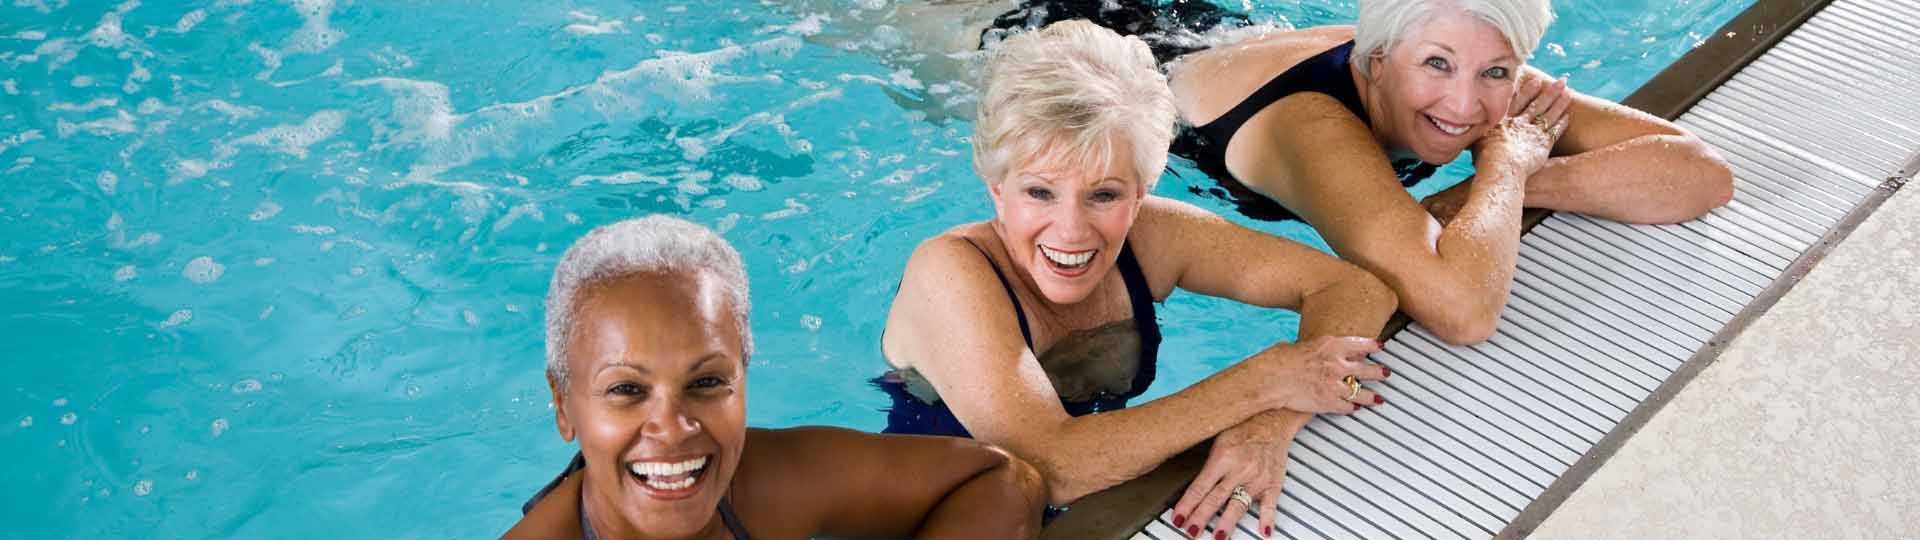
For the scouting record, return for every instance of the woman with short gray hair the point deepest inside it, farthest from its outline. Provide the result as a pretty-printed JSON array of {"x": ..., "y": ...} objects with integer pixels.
[
  {"x": 1033, "y": 330},
  {"x": 647, "y": 348}
]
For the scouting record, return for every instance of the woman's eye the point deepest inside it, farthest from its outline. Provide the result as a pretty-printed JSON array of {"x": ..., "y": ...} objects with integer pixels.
[
  {"x": 1105, "y": 196},
  {"x": 1040, "y": 194},
  {"x": 1495, "y": 73},
  {"x": 708, "y": 382},
  {"x": 626, "y": 389},
  {"x": 1439, "y": 63}
]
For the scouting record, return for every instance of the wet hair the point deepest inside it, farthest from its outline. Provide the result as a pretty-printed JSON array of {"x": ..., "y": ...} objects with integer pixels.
[
  {"x": 638, "y": 246},
  {"x": 1383, "y": 23},
  {"x": 1066, "y": 93}
]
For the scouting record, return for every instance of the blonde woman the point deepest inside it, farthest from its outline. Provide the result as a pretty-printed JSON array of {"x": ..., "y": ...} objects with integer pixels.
[{"x": 1033, "y": 330}]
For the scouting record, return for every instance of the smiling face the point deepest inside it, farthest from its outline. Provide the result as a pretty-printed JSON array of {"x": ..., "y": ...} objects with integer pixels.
[
  {"x": 1063, "y": 225},
  {"x": 657, "y": 397},
  {"x": 1443, "y": 86}
]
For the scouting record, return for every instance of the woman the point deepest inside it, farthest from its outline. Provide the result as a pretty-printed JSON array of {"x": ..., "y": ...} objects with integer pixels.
[
  {"x": 1018, "y": 329},
  {"x": 647, "y": 346},
  {"x": 1330, "y": 122}
]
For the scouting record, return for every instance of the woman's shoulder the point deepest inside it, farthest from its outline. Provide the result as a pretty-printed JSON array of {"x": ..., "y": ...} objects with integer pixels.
[
  {"x": 957, "y": 249},
  {"x": 554, "y": 516}
]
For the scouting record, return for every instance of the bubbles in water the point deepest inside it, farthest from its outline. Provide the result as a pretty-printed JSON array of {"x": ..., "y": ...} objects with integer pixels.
[
  {"x": 143, "y": 488},
  {"x": 469, "y": 316},
  {"x": 60, "y": 402},
  {"x": 810, "y": 322},
  {"x": 265, "y": 210},
  {"x": 264, "y": 313},
  {"x": 263, "y": 261},
  {"x": 26, "y": 421},
  {"x": 357, "y": 271},
  {"x": 413, "y": 391},
  {"x": 246, "y": 386},
  {"x": 277, "y": 377},
  {"x": 69, "y": 418},
  {"x": 177, "y": 318},
  {"x": 743, "y": 182},
  {"x": 193, "y": 474},
  {"x": 219, "y": 426},
  {"x": 108, "y": 182},
  {"x": 125, "y": 273},
  {"x": 203, "y": 270}
]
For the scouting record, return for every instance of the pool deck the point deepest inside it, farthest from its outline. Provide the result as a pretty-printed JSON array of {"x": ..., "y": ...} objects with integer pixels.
[{"x": 1805, "y": 426}]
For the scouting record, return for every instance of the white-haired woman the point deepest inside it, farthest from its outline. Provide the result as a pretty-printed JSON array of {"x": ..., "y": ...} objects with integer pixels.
[
  {"x": 647, "y": 346},
  {"x": 1033, "y": 329},
  {"x": 1333, "y": 122}
]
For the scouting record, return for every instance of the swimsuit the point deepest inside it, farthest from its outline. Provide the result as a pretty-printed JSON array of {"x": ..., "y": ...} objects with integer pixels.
[
  {"x": 911, "y": 415},
  {"x": 1175, "y": 29},
  {"x": 579, "y": 463}
]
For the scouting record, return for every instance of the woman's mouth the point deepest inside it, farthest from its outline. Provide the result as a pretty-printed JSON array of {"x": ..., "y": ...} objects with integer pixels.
[
  {"x": 1068, "y": 263},
  {"x": 1449, "y": 128},
  {"x": 669, "y": 480}
]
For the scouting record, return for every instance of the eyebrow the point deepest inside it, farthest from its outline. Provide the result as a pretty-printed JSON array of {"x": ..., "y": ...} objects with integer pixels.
[
  {"x": 622, "y": 362},
  {"x": 1444, "y": 47}
]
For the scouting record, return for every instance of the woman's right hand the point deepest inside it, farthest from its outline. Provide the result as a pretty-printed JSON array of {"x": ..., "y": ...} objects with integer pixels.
[
  {"x": 1311, "y": 376},
  {"x": 1536, "y": 120}
]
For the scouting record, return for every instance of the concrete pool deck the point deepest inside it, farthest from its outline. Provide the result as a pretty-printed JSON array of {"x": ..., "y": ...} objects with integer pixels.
[{"x": 1806, "y": 426}]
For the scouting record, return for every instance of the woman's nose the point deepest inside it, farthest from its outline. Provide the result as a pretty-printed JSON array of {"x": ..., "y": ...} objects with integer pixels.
[
  {"x": 1461, "y": 99},
  {"x": 667, "y": 421}
]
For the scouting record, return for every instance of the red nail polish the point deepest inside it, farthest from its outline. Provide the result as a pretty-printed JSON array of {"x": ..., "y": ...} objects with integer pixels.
[
  {"x": 1193, "y": 530},
  {"x": 1179, "y": 521},
  {"x": 1219, "y": 534},
  {"x": 1385, "y": 372},
  {"x": 1379, "y": 399},
  {"x": 1266, "y": 532}
]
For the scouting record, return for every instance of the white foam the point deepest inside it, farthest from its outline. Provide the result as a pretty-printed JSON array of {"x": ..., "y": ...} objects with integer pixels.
[
  {"x": 19, "y": 139},
  {"x": 85, "y": 107},
  {"x": 107, "y": 33},
  {"x": 190, "y": 20},
  {"x": 220, "y": 426},
  {"x": 135, "y": 78},
  {"x": 186, "y": 169},
  {"x": 203, "y": 270},
  {"x": 177, "y": 318},
  {"x": 26, "y": 421},
  {"x": 69, "y": 418},
  {"x": 193, "y": 475},
  {"x": 263, "y": 261},
  {"x": 59, "y": 402},
  {"x": 269, "y": 57},
  {"x": 125, "y": 273},
  {"x": 153, "y": 105},
  {"x": 619, "y": 178},
  {"x": 82, "y": 81},
  {"x": 265, "y": 210},
  {"x": 265, "y": 313},
  {"x": 316, "y": 230},
  {"x": 293, "y": 139},
  {"x": 59, "y": 49},
  {"x": 603, "y": 27},
  {"x": 30, "y": 35},
  {"x": 514, "y": 214},
  {"x": 793, "y": 208},
  {"x": 143, "y": 488},
  {"x": 316, "y": 33},
  {"x": 810, "y": 322},
  {"x": 422, "y": 106},
  {"x": 246, "y": 386},
  {"x": 119, "y": 124},
  {"x": 743, "y": 182},
  {"x": 12, "y": 88}
]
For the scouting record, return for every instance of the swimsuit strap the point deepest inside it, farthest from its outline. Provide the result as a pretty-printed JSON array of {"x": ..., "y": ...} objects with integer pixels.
[
  {"x": 1324, "y": 73},
  {"x": 1008, "y": 285},
  {"x": 1145, "y": 320},
  {"x": 734, "y": 527}
]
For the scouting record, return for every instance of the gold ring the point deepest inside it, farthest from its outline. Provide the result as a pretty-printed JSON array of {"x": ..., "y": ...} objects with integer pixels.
[
  {"x": 1241, "y": 496},
  {"x": 1353, "y": 387}
]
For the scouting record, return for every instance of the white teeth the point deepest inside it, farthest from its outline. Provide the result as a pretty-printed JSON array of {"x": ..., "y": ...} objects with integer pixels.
[
  {"x": 684, "y": 483},
  {"x": 1066, "y": 260},
  {"x": 668, "y": 469},
  {"x": 1447, "y": 128}
]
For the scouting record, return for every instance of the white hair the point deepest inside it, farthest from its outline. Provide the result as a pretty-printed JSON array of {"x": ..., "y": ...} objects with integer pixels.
[
  {"x": 1066, "y": 93},
  {"x": 1383, "y": 23},
  {"x": 637, "y": 246}
]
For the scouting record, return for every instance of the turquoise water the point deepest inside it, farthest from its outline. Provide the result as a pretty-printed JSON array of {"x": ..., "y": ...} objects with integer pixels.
[{"x": 275, "y": 270}]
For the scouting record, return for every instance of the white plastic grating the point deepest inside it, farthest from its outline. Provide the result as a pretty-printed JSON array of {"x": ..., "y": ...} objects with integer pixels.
[{"x": 1602, "y": 313}]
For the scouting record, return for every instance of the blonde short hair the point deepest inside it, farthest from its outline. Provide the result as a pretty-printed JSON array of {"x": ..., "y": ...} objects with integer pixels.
[
  {"x": 1069, "y": 91},
  {"x": 1384, "y": 22}
]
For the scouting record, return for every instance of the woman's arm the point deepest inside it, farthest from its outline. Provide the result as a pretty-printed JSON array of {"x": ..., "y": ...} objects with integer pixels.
[
  {"x": 1323, "y": 163},
  {"x": 841, "y": 483},
  {"x": 1621, "y": 164},
  {"x": 954, "y": 322}
]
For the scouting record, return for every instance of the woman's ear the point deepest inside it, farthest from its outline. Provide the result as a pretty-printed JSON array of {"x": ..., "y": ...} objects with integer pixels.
[
  {"x": 1376, "y": 61},
  {"x": 559, "y": 408}
]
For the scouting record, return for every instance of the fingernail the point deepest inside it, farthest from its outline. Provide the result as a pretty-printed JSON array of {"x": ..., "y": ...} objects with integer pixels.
[
  {"x": 1382, "y": 342},
  {"x": 1379, "y": 399},
  {"x": 1385, "y": 372},
  {"x": 1193, "y": 530},
  {"x": 1179, "y": 521},
  {"x": 1266, "y": 532},
  {"x": 1219, "y": 534}
]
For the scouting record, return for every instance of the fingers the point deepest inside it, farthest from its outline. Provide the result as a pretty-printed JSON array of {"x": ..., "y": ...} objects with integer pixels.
[
  {"x": 1348, "y": 347},
  {"x": 1269, "y": 502},
  {"x": 1368, "y": 371},
  {"x": 1229, "y": 516},
  {"x": 1185, "y": 514},
  {"x": 1524, "y": 97},
  {"x": 1210, "y": 504}
]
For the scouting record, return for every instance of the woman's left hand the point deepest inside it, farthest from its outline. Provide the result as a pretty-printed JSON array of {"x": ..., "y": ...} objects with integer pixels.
[{"x": 1252, "y": 456}]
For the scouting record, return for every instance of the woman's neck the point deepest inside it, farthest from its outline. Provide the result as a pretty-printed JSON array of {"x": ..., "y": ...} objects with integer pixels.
[{"x": 1377, "y": 120}]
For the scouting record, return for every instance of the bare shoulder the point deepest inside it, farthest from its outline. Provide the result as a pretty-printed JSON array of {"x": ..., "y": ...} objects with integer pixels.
[
  {"x": 555, "y": 517},
  {"x": 948, "y": 278},
  {"x": 1207, "y": 84}
]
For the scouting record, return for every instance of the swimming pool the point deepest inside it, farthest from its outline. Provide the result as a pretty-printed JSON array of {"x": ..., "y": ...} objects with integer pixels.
[{"x": 274, "y": 270}]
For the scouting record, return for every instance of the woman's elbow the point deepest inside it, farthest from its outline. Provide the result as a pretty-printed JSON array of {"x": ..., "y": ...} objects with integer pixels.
[
  {"x": 1023, "y": 484},
  {"x": 1459, "y": 321},
  {"x": 1710, "y": 180}
]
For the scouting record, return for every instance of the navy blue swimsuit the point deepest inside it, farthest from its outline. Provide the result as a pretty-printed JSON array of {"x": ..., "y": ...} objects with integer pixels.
[
  {"x": 910, "y": 415},
  {"x": 1326, "y": 73}
]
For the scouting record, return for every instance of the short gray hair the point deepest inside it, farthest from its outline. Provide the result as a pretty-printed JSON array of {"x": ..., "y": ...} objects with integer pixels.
[
  {"x": 637, "y": 246},
  {"x": 1384, "y": 22},
  {"x": 1072, "y": 87}
]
